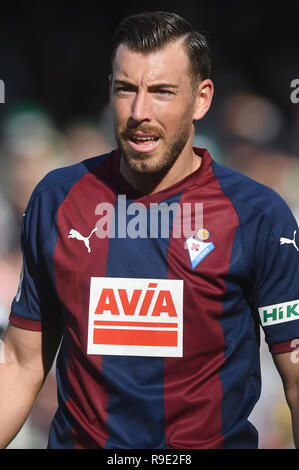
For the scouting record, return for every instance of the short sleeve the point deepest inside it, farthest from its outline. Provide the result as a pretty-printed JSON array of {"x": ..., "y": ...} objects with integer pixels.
[
  {"x": 35, "y": 302},
  {"x": 277, "y": 273}
]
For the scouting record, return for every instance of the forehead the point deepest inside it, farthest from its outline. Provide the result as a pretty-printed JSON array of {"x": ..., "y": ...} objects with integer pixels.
[{"x": 168, "y": 63}]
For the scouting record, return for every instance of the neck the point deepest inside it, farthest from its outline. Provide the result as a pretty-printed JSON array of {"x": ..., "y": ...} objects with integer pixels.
[{"x": 148, "y": 184}]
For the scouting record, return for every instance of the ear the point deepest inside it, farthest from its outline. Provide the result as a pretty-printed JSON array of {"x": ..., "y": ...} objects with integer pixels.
[{"x": 203, "y": 98}]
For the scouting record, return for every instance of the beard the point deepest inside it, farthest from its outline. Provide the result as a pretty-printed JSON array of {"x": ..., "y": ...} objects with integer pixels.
[{"x": 156, "y": 163}]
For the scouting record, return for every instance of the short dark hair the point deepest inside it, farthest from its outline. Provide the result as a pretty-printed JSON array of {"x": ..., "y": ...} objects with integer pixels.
[{"x": 150, "y": 31}]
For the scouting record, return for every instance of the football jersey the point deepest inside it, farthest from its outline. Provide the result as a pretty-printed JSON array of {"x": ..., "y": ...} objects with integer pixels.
[{"x": 161, "y": 300}]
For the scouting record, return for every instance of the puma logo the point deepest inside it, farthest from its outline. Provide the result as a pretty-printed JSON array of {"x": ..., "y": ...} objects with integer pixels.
[
  {"x": 290, "y": 242},
  {"x": 75, "y": 234}
]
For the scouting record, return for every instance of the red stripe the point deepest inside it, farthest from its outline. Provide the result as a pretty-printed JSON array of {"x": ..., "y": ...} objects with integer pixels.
[
  {"x": 286, "y": 346},
  {"x": 136, "y": 323},
  {"x": 24, "y": 323},
  {"x": 135, "y": 337}
]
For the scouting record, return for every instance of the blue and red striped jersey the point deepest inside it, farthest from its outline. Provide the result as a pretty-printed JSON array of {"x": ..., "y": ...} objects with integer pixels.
[{"x": 161, "y": 299}]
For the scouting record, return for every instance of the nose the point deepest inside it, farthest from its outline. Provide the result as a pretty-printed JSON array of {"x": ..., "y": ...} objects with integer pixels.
[{"x": 141, "y": 107}]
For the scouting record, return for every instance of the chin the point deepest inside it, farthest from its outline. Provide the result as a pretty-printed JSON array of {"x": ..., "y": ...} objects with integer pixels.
[{"x": 147, "y": 164}]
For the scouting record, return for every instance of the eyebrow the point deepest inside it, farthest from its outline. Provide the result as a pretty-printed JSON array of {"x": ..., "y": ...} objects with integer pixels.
[{"x": 154, "y": 87}]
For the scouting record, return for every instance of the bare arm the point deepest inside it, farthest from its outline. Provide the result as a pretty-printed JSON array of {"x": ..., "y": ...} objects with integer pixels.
[
  {"x": 22, "y": 374},
  {"x": 288, "y": 369}
]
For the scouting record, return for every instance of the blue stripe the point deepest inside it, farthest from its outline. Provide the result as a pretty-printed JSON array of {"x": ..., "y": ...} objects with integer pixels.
[
  {"x": 60, "y": 435},
  {"x": 252, "y": 281},
  {"x": 240, "y": 375},
  {"x": 136, "y": 384}
]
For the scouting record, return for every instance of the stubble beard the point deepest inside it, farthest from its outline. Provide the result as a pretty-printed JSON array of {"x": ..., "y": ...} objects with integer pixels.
[{"x": 150, "y": 164}]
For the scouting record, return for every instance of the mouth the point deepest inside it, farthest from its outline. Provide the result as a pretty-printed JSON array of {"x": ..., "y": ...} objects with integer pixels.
[{"x": 143, "y": 142}]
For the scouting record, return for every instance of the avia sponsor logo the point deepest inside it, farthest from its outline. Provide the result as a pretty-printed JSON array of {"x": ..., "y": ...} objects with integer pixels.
[
  {"x": 279, "y": 313},
  {"x": 135, "y": 317}
]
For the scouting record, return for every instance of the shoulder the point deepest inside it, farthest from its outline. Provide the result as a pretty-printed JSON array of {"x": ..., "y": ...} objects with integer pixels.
[
  {"x": 248, "y": 195},
  {"x": 68, "y": 175},
  {"x": 56, "y": 184},
  {"x": 52, "y": 190}
]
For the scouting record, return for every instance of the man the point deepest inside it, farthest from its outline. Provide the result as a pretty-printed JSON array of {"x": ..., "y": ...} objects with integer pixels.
[{"x": 159, "y": 332}]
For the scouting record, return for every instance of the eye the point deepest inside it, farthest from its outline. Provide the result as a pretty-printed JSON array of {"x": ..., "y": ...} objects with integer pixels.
[
  {"x": 123, "y": 89},
  {"x": 165, "y": 92}
]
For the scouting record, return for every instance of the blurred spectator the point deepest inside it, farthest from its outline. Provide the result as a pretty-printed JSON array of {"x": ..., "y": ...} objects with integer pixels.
[
  {"x": 32, "y": 147},
  {"x": 254, "y": 133},
  {"x": 252, "y": 117},
  {"x": 84, "y": 140}
]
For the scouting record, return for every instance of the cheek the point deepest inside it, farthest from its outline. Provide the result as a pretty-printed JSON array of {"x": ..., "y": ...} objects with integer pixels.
[
  {"x": 120, "y": 111},
  {"x": 174, "y": 122}
]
